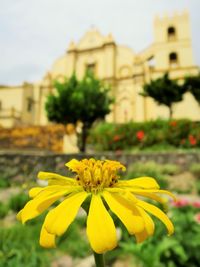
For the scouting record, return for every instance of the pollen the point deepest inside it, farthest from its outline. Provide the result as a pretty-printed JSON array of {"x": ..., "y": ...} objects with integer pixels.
[{"x": 95, "y": 175}]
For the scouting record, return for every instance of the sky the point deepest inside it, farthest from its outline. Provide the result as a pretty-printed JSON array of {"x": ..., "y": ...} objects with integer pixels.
[{"x": 34, "y": 33}]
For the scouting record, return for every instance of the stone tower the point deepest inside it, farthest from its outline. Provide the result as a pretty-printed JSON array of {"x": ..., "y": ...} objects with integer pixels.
[{"x": 172, "y": 40}]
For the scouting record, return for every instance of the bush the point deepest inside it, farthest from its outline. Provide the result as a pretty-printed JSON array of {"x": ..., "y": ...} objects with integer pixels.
[
  {"x": 17, "y": 202},
  {"x": 19, "y": 246},
  {"x": 151, "y": 169},
  {"x": 3, "y": 210},
  {"x": 195, "y": 169},
  {"x": 4, "y": 182},
  {"x": 141, "y": 135},
  {"x": 179, "y": 250}
]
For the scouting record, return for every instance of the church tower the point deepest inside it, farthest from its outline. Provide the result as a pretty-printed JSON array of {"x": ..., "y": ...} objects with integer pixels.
[{"x": 172, "y": 41}]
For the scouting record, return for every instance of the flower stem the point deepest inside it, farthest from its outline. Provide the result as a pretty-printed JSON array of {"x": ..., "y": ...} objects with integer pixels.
[{"x": 99, "y": 260}]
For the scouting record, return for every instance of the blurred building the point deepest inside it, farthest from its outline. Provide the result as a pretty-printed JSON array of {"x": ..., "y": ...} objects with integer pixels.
[{"x": 118, "y": 65}]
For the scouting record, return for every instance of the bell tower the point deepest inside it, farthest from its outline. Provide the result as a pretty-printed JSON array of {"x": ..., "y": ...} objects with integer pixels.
[{"x": 172, "y": 41}]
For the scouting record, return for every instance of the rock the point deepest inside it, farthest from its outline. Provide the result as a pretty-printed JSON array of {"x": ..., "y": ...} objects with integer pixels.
[
  {"x": 64, "y": 261},
  {"x": 88, "y": 262}
]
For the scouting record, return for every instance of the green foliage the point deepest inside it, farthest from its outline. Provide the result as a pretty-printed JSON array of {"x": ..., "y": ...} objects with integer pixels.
[
  {"x": 192, "y": 84},
  {"x": 178, "y": 250},
  {"x": 3, "y": 210},
  {"x": 20, "y": 247},
  {"x": 195, "y": 169},
  {"x": 86, "y": 101},
  {"x": 17, "y": 202},
  {"x": 4, "y": 181},
  {"x": 152, "y": 169},
  {"x": 164, "y": 91},
  {"x": 157, "y": 135},
  {"x": 74, "y": 241}
]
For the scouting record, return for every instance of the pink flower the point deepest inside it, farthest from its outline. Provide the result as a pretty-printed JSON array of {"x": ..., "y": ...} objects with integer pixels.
[
  {"x": 197, "y": 217},
  {"x": 180, "y": 203},
  {"x": 140, "y": 135},
  {"x": 196, "y": 204}
]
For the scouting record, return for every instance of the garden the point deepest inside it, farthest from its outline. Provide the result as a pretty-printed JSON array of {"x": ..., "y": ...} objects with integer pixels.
[
  {"x": 167, "y": 150},
  {"x": 19, "y": 243}
]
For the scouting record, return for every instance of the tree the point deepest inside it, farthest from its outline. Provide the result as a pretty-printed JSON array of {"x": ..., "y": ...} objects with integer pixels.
[
  {"x": 192, "y": 85},
  {"x": 79, "y": 101},
  {"x": 164, "y": 91}
]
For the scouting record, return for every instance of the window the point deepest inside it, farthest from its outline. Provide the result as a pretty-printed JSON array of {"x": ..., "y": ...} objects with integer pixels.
[
  {"x": 171, "y": 33},
  {"x": 173, "y": 59},
  {"x": 91, "y": 68},
  {"x": 29, "y": 104},
  {"x": 151, "y": 62}
]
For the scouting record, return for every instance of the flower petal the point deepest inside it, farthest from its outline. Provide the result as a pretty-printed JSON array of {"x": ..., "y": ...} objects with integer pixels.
[
  {"x": 58, "y": 219},
  {"x": 127, "y": 213},
  {"x": 148, "y": 229},
  {"x": 40, "y": 203},
  {"x": 56, "y": 179},
  {"x": 33, "y": 192},
  {"x": 100, "y": 227},
  {"x": 75, "y": 165},
  {"x": 152, "y": 192},
  {"x": 47, "y": 240},
  {"x": 141, "y": 182},
  {"x": 142, "y": 236},
  {"x": 148, "y": 222},
  {"x": 158, "y": 213}
]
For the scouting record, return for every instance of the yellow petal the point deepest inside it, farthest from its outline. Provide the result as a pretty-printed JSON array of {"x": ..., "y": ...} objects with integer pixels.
[
  {"x": 158, "y": 213},
  {"x": 127, "y": 213},
  {"x": 141, "y": 182},
  {"x": 144, "y": 192},
  {"x": 100, "y": 227},
  {"x": 58, "y": 219},
  {"x": 148, "y": 222},
  {"x": 40, "y": 203},
  {"x": 47, "y": 240},
  {"x": 152, "y": 196},
  {"x": 148, "y": 229},
  {"x": 74, "y": 165},
  {"x": 56, "y": 179},
  {"x": 140, "y": 237},
  {"x": 33, "y": 192}
]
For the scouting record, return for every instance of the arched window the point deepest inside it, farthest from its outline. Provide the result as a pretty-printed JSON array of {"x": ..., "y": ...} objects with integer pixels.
[
  {"x": 91, "y": 68},
  {"x": 171, "y": 33},
  {"x": 173, "y": 59}
]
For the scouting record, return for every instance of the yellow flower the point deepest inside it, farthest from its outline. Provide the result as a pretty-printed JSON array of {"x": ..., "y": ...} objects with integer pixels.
[{"x": 98, "y": 182}]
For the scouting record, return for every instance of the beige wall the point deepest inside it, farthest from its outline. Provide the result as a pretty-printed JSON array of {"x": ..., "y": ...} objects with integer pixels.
[{"x": 120, "y": 66}]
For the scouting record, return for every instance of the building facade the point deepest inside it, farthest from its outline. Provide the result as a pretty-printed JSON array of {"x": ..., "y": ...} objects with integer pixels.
[{"x": 118, "y": 65}]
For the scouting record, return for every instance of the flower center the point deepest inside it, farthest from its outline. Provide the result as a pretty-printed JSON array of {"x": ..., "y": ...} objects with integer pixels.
[{"x": 94, "y": 175}]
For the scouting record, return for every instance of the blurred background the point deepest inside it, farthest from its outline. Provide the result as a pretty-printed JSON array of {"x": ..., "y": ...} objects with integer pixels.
[{"x": 103, "y": 79}]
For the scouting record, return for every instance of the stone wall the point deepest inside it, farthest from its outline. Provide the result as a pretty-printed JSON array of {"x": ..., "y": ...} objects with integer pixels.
[{"x": 23, "y": 166}]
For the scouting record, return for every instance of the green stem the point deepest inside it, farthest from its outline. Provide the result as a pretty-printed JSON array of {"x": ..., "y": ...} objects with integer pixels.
[{"x": 99, "y": 260}]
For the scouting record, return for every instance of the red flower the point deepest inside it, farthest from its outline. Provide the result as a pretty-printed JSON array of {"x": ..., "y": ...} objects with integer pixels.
[
  {"x": 192, "y": 140},
  {"x": 182, "y": 142},
  {"x": 116, "y": 138},
  {"x": 140, "y": 135},
  {"x": 173, "y": 123}
]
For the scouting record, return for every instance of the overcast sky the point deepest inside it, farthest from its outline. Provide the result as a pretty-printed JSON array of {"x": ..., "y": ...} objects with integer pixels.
[{"x": 34, "y": 33}]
